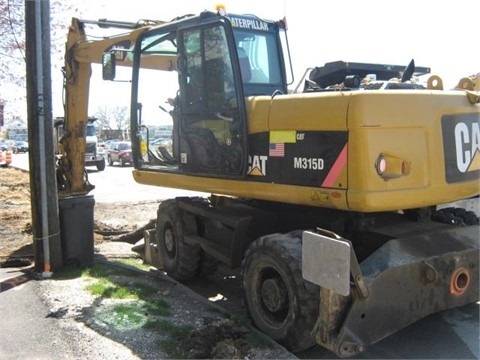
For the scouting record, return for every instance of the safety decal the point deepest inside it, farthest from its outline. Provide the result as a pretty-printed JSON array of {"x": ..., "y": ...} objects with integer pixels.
[
  {"x": 337, "y": 167},
  {"x": 283, "y": 136}
]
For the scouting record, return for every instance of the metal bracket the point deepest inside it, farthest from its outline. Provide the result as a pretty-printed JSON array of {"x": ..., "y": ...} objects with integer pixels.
[
  {"x": 328, "y": 260},
  {"x": 355, "y": 269}
]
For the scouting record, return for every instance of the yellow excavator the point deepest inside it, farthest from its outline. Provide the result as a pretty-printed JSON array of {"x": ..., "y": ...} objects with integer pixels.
[{"x": 331, "y": 198}]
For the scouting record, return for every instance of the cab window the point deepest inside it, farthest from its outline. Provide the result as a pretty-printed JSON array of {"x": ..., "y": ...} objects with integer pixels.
[{"x": 209, "y": 75}]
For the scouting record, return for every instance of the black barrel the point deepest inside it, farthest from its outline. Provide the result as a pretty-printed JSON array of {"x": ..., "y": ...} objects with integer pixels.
[{"x": 76, "y": 228}]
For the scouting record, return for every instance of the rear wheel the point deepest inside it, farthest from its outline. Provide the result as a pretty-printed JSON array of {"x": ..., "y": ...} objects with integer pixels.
[
  {"x": 180, "y": 260},
  {"x": 456, "y": 216},
  {"x": 280, "y": 302},
  {"x": 121, "y": 162}
]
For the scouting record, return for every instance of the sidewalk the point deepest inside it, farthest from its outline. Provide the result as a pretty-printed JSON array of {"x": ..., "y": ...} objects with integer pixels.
[{"x": 27, "y": 331}]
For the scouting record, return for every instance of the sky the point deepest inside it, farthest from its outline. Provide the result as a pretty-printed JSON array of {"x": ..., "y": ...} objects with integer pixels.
[{"x": 440, "y": 35}]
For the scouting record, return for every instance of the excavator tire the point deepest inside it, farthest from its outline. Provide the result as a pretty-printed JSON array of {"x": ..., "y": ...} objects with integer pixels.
[
  {"x": 455, "y": 216},
  {"x": 180, "y": 260},
  {"x": 101, "y": 165},
  {"x": 279, "y": 301}
]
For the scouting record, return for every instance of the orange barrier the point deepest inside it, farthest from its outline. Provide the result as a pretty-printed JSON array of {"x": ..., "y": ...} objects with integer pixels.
[{"x": 8, "y": 157}]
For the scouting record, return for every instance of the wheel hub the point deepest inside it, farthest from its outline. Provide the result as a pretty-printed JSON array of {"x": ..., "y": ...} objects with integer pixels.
[
  {"x": 274, "y": 294},
  {"x": 169, "y": 241}
]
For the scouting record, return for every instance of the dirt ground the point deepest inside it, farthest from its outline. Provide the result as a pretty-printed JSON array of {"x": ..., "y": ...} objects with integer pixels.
[
  {"x": 15, "y": 214},
  {"x": 16, "y": 237}
]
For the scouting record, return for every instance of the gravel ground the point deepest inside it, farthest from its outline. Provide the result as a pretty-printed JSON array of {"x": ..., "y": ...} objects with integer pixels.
[{"x": 98, "y": 331}]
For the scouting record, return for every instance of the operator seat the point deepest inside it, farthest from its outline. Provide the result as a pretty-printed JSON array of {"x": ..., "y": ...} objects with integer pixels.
[{"x": 244, "y": 65}]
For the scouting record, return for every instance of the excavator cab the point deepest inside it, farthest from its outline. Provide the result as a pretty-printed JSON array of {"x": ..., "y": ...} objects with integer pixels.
[{"x": 216, "y": 62}]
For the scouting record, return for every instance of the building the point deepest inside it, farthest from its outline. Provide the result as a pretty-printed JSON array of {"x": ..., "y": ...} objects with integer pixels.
[{"x": 17, "y": 130}]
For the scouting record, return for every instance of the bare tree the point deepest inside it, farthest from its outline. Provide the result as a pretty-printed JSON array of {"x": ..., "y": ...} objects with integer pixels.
[
  {"x": 120, "y": 116},
  {"x": 12, "y": 48},
  {"x": 103, "y": 118},
  {"x": 112, "y": 118},
  {"x": 12, "y": 41}
]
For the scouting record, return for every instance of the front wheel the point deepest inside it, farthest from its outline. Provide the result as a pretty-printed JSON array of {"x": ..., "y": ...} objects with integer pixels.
[
  {"x": 280, "y": 302},
  {"x": 101, "y": 165},
  {"x": 110, "y": 161},
  {"x": 180, "y": 260}
]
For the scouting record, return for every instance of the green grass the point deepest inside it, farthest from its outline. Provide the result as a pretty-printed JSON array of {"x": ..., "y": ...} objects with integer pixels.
[
  {"x": 128, "y": 313},
  {"x": 104, "y": 286},
  {"x": 135, "y": 263},
  {"x": 158, "y": 307},
  {"x": 68, "y": 273},
  {"x": 107, "y": 289},
  {"x": 100, "y": 270},
  {"x": 122, "y": 317},
  {"x": 113, "y": 290}
]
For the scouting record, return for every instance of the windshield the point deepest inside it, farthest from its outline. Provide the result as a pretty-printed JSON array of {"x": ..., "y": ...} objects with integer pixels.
[
  {"x": 90, "y": 130},
  {"x": 124, "y": 146},
  {"x": 258, "y": 56}
]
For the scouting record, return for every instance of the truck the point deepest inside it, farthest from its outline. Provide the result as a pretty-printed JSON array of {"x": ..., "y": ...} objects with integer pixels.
[
  {"x": 331, "y": 198},
  {"x": 94, "y": 154}
]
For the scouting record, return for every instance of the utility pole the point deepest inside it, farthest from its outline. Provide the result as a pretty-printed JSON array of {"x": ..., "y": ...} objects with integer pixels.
[{"x": 44, "y": 203}]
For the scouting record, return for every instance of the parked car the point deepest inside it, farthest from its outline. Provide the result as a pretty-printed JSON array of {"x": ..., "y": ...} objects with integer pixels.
[
  {"x": 3, "y": 146},
  {"x": 20, "y": 147},
  {"x": 121, "y": 152}
]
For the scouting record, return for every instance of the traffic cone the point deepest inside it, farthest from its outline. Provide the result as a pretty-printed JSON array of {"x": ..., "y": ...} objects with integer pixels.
[{"x": 8, "y": 157}]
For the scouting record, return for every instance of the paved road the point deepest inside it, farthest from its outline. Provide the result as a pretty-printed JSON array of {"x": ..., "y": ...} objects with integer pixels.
[
  {"x": 116, "y": 183},
  {"x": 452, "y": 334}
]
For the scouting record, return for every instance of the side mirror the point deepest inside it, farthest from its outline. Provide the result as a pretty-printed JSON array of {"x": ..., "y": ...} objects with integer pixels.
[{"x": 108, "y": 66}]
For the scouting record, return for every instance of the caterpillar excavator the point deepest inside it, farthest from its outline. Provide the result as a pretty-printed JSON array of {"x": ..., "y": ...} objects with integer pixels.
[{"x": 331, "y": 198}]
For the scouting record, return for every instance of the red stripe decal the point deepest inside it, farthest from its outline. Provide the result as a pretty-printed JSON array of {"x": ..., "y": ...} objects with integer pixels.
[{"x": 336, "y": 168}]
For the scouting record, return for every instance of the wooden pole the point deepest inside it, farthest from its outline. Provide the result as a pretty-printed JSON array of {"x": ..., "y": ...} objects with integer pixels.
[{"x": 44, "y": 202}]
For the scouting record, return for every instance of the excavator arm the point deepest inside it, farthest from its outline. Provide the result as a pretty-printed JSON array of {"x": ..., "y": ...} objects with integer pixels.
[{"x": 80, "y": 53}]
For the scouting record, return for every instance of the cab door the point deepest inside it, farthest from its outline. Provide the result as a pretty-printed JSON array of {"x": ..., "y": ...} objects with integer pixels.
[{"x": 211, "y": 114}]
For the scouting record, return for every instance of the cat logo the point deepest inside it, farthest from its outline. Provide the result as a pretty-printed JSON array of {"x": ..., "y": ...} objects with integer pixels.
[
  {"x": 257, "y": 165},
  {"x": 467, "y": 146},
  {"x": 461, "y": 143}
]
